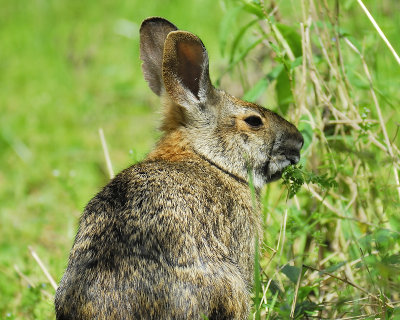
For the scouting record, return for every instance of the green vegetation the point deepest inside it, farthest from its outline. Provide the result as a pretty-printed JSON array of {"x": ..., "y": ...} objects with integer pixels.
[
  {"x": 67, "y": 68},
  {"x": 331, "y": 248}
]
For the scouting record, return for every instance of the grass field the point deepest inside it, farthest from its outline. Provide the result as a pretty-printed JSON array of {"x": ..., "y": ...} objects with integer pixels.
[{"x": 68, "y": 68}]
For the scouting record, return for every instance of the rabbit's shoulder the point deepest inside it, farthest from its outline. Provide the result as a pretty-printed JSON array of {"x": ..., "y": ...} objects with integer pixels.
[{"x": 149, "y": 185}]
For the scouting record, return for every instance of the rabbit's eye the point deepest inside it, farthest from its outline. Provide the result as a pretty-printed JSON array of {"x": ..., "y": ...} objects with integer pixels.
[{"x": 254, "y": 121}]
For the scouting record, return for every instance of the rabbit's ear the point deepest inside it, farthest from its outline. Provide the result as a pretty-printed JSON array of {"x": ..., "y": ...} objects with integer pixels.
[
  {"x": 185, "y": 69},
  {"x": 153, "y": 33}
]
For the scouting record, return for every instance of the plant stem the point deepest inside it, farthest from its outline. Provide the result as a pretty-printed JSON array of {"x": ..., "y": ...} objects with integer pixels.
[{"x": 380, "y": 32}]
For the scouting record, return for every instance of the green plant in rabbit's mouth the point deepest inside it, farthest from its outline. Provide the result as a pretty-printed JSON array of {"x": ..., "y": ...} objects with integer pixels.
[{"x": 294, "y": 176}]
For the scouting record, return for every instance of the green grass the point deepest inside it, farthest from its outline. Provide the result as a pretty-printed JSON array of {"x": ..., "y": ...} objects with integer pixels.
[
  {"x": 331, "y": 249},
  {"x": 68, "y": 68}
]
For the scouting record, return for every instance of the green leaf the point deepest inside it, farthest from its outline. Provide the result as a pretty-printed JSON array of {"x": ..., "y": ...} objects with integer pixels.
[
  {"x": 294, "y": 177},
  {"x": 275, "y": 72},
  {"x": 242, "y": 56},
  {"x": 239, "y": 37},
  {"x": 256, "y": 91},
  {"x": 348, "y": 4},
  {"x": 292, "y": 38},
  {"x": 272, "y": 305},
  {"x": 253, "y": 8},
  {"x": 297, "y": 62},
  {"x": 392, "y": 260},
  {"x": 283, "y": 92},
  {"x": 245, "y": 52},
  {"x": 304, "y": 291},
  {"x": 275, "y": 48},
  {"x": 227, "y": 25},
  {"x": 333, "y": 268},
  {"x": 291, "y": 272},
  {"x": 305, "y": 308}
]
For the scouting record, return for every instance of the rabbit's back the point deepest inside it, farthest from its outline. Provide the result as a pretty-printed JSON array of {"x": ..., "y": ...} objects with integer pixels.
[{"x": 163, "y": 237}]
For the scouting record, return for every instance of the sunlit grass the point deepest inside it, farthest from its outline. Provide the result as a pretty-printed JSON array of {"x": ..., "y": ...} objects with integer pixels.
[{"x": 66, "y": 69}]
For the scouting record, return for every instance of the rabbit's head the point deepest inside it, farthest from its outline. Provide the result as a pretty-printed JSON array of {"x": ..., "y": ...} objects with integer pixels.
[{"x": 237, "y": 136}]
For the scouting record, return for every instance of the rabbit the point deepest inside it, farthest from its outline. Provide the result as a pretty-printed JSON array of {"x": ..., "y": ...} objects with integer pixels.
[{"x": 174, "y": 236}]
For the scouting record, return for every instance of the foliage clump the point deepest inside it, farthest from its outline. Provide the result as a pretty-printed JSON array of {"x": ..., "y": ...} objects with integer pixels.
[
  {"x": 331, "y": 246},
  {"x": 295, "y": 176}
]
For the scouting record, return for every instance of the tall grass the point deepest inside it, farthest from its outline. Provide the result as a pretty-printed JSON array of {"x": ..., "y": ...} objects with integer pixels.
[{"x": 331, "y": 248}]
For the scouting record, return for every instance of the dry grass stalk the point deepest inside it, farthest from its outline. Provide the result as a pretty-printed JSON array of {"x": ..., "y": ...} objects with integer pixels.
[
  {"x": 43, "y": 267},
  {"x": 30, "y": 282},
  {"x": 295, "y": 296},
  {"x": 379, "y": 30},
  {"x": 106, "y": 154},
  {"x": 378, "y": 111},
  {"x": 387, "y": 303}
]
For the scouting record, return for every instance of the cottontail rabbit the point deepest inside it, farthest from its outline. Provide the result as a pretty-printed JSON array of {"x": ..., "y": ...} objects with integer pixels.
[{"x": 173, "y": 237}]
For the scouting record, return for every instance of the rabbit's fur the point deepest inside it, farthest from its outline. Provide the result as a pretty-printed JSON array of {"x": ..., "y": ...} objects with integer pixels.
[{"x": 173, "y": 237}]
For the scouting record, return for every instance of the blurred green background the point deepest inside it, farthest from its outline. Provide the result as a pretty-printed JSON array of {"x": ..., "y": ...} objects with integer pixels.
[{"x": 68, "y": 68}]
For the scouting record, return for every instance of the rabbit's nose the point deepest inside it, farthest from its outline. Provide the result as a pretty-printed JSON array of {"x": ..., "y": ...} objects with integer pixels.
[
  {"x": 294, "y": 145},
  {"x": 293, "y": 156}
]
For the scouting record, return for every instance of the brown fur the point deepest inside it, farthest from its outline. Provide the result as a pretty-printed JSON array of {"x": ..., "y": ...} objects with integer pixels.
[{"x": 173, "y": 237}]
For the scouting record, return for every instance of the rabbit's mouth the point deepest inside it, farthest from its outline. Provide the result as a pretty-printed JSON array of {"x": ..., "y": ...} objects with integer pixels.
[
  {"x": 275, "y": 167},
  {"x": 275, "y": 176},
  {"x": 282, "y": 155}
]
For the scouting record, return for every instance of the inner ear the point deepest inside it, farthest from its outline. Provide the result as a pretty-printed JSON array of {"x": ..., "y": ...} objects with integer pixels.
[
  {"x": 190, "y": 56},
  {"x": 185, "y": 68}
]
